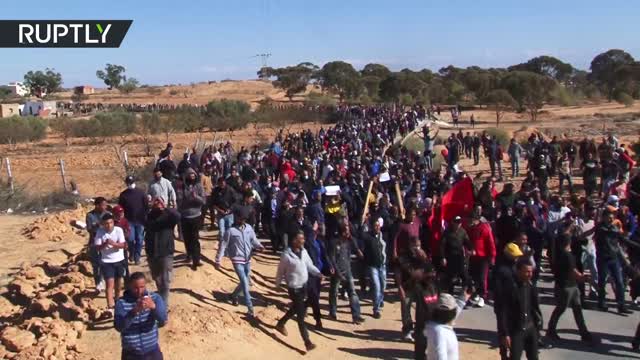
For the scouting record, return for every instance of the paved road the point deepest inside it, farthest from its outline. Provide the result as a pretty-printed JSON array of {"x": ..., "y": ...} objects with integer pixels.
[{"x": 615, "y": 331}]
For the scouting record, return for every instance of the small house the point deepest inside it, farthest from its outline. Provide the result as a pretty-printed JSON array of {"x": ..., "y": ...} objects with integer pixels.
[
  {"x": 8, "y": 110},
  {"x": 17, "y": 88},
  {"x": 84, "y": 90},
  {"x": 39, "y": 108}
]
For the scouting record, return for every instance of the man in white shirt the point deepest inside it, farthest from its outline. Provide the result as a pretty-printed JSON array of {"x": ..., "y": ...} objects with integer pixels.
[{"x": 110, "y": 242}]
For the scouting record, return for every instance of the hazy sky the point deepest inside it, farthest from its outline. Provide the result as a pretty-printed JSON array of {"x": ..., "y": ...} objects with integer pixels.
[{"x": 188, "y": 41}]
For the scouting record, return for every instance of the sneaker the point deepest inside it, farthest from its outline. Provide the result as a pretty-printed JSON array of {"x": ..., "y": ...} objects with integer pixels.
[
  {"x": 234, "y": 301},
  {"x": 282, "y": 330},
  {"x": 310, "y": 346},
  {"x": 376, "y": 315},
  {"x": 101, "y": 286},
  {"x": 480, "y": 302},
  {"x": 408, "y": 336},
  {"x": 333, "y": 317},
  {"x": 358, "y": 320},
  {"x": 137, "y": 262},
  {"x": 319, "y": 325}
]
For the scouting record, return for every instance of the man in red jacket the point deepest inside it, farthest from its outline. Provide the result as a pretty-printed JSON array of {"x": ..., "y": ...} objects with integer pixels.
[{"x": 481, "y": 237}]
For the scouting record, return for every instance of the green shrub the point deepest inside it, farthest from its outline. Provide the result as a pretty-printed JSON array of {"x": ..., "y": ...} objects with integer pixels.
[
  {"x": 18, "y": 129},
  {"x": 227, "y": 108},
  {"x": 625, "y": 99},
  {"x": 318, "y": 99},
  {"x": 562, "y": 96},
  {"x": 116, "y": 123},
  {"x": 500, "y": 134},
  {"x": 406, "y": 100}
]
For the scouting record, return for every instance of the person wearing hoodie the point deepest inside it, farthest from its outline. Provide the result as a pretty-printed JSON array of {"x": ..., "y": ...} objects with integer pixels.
[
  {"x": 238, "y": 244},
  {"x": 138, "y": 315},
  {"x": 162, "y": 187},
  {"x": 135, "y": 204},
  {"x": 294, "y": 268},
  {"x": 159, "y": 245},
  {"x": 481, "y": 237},
  {"x": 191, "y": 198}
]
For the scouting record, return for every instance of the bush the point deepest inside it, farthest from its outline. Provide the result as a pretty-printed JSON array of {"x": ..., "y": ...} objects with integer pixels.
[
  {"x": 563, "y": 96},
  {"x": 625, "y": 99},
  {"x": 500, "y": 134},
  {"x": 18, "y": 129},
  {"x": 318, "y": 99},
  {"x": 105, "y": 125},
  {"x": 406, "y": 100},
  {"x": 23, "y": 200},
  {"x": 173, "y": 92}
]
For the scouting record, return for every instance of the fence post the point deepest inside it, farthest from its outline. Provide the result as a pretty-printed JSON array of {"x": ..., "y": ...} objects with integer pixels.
[
  {"x": 8, "y": 162},
  {"x": 126, "y": 159},
  {"x": 63, "y": 175}
]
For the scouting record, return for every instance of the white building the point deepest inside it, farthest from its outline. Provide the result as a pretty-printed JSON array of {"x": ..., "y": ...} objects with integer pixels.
[
  {"x": 39, "y": 108},
  {"x": 17, "y": 88}
]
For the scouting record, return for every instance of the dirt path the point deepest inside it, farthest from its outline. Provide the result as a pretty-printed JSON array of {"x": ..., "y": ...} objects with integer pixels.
[{"x": 203, "y": 325}]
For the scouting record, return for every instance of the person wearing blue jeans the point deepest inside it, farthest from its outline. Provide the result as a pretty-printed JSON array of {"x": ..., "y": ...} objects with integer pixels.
[
  {"x": 224, "y": 223},
  {"x": 375, "y": 260},
  {"x": 607, "y": 240},
  {"x": 136, "y": 240},
  {"x": 244, "y": 272},
  {"x": 340, "y": 250},
  {"x": 135, "y": 204},
  {"x": 238, "y": 244},
  {"x": 378, "y": 286}
]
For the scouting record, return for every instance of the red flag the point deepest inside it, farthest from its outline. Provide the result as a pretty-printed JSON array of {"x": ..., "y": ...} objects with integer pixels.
[
  {"x": 456, "y": 202},
  {"x": 459, "y": 200}
]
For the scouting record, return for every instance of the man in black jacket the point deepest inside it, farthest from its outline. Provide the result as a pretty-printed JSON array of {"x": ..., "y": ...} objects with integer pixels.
[
  {"x": 135, "y": 205},
  {"x": 159, "y": 245},
  {"x": 375, "y": 258},
  {"x": 519, "y": 316},
  {"x": 607, "y": 239}
]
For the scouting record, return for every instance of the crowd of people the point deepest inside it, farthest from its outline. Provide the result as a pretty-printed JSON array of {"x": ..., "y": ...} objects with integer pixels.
[{"x": 348, "y": 205}]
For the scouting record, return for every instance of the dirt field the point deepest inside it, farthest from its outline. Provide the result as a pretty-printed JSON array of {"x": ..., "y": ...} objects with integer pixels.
[{"x": 202, "y": 324}]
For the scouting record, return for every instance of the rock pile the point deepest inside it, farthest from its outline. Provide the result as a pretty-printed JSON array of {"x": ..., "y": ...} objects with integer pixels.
[
  {"x": 56, "y": 227},
  {"x": 45, "y": 309}
]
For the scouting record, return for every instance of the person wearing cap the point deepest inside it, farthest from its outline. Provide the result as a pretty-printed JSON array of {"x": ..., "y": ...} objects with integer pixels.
[
  {"x": 607, "y": 239},
  {"x": 135, "y": 204},
  {"x": 503, "y": 278},
  {"x": 442, "y": 343},
  {"x": 159, "y": 244},
  {"x": 121, "y": 222},
  {"x": 566, "y": 276},
  {"x": 454, "y": 244},
  {"x": 190, "y": 197},
  {"x": 238, "y": 244},
  {"x": 110, "y": 243},
  {"x": 161, "y": 187}
]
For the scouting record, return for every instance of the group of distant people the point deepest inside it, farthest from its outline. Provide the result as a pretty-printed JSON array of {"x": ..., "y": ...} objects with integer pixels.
[{"x": 346, "y": 206}]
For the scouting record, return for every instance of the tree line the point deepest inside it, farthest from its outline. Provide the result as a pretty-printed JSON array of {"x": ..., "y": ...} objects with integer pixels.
[{"x": 528, "y": 86}]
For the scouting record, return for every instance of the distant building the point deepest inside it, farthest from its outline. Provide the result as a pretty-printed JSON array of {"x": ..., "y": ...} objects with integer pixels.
[
  {"x": 17, "y": 88},
  {"x": 84, "y": 89},
  {"x": 39, "y": 108},
  {"x": 8, "y": 110}
]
